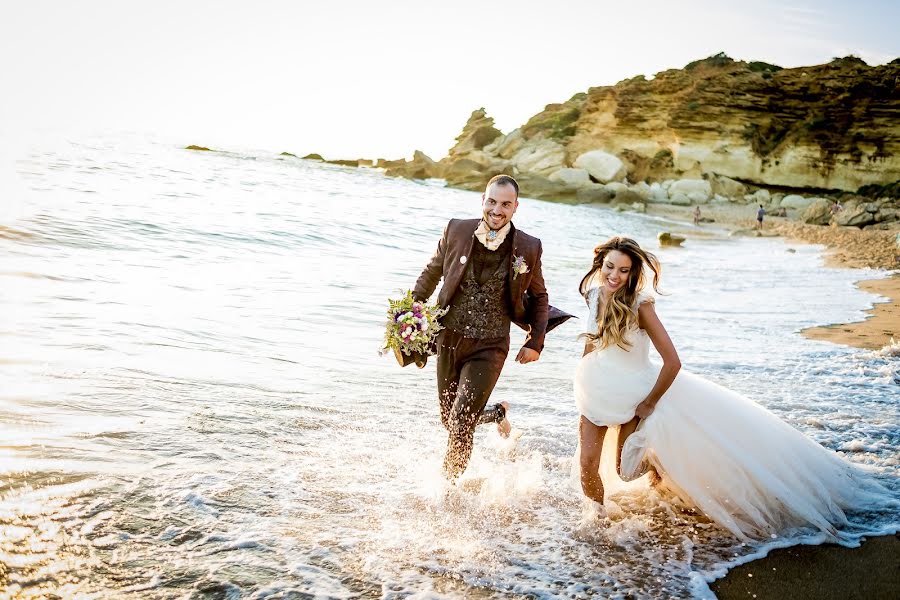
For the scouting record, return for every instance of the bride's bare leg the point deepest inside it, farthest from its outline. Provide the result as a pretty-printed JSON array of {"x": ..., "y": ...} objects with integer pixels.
[{"x": 591, "y": 438}]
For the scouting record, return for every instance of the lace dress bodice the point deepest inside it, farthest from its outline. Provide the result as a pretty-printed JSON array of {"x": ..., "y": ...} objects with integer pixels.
[{"x": 637, "y": 356}]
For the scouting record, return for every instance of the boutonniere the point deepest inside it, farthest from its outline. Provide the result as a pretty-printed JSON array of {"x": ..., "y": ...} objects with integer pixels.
[{"x": 519, "y": 266}]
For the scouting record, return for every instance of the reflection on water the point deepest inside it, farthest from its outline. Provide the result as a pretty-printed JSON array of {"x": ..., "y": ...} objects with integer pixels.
[{"x": 191, "y": 401}]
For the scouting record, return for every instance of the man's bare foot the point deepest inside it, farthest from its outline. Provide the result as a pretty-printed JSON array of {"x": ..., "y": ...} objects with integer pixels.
[{"x": 504, "y": 427}]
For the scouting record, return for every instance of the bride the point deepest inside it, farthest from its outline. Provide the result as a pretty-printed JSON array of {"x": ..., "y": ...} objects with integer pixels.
[{"x": 741, "y": 465}]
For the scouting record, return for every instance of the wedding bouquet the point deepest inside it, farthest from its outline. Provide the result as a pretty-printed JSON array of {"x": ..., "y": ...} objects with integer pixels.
[{"x": 411, "y": 329}]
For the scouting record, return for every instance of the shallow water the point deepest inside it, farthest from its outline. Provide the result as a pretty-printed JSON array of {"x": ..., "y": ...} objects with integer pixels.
[{"x": 192, "y": 403}]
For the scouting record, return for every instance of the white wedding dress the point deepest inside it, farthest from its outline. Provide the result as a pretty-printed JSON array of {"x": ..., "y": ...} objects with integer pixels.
[{"x": 737, "y": 462}]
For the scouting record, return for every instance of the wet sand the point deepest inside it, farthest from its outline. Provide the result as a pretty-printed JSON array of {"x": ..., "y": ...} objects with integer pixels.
[
  {"x": 877, "y": 331},
  {"x": 870, "y": 572}
]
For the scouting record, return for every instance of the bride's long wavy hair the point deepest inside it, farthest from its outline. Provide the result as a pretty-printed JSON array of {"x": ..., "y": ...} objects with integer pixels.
[{"x": 619, "y": 314}]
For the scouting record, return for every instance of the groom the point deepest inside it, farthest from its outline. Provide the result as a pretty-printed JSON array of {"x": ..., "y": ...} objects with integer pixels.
[{"x": 492, "y": 277}]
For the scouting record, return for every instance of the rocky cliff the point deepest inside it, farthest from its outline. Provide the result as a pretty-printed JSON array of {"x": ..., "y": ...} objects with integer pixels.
[
  {"x": 826, "y": 127},
  {"x": 834, "y": 126}
]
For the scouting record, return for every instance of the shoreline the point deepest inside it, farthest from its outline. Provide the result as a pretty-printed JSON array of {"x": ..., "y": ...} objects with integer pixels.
[
  {"x": 824, "y": 571},
  {"x": 877, "y": 330},
  {"x": 846, "y": 247}
]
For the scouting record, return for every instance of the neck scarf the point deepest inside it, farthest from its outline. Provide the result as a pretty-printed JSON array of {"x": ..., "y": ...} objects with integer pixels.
[{"x": 483, "y": 233}]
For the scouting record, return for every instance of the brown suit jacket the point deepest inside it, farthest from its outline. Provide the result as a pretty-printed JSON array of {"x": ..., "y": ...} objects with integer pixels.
[{"x": 528, "y": 296}]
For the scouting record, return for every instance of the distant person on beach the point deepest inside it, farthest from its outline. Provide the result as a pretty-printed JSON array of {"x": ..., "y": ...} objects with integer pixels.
[
  {"x": 835, "y": 208},
  {"x": 697, "y": 215},
  {"x": 492, "y": 278},
  {"x": 759, "y": 216},
  {"x": 738, "y": 463}
]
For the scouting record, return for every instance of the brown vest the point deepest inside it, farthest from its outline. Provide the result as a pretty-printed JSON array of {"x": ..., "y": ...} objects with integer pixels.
[{"x": 480, "y": 307}]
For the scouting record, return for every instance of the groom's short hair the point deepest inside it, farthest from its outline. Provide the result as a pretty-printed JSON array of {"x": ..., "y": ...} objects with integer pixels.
[{"x": 504, "y": 180}]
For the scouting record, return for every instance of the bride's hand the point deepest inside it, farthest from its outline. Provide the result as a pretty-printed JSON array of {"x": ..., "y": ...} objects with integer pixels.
[{"x": 644, "y": 409}]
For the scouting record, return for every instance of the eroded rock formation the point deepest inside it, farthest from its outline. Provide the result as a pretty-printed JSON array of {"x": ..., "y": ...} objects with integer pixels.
[{"x": 717, "y": 130}]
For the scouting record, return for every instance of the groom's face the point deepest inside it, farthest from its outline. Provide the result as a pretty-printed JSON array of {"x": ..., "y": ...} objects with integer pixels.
[{"x": 499, "y": 204}]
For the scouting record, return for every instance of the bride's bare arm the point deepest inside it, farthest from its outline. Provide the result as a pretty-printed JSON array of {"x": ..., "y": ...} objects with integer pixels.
[{"x": 650, "y": 323}]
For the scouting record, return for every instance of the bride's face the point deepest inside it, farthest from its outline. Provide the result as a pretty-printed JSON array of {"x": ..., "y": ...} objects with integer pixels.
[{"x": 615, "y": 270}]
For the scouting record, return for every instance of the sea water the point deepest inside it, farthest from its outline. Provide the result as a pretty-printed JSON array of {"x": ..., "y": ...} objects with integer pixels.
[{"x": 192, "y": 402}]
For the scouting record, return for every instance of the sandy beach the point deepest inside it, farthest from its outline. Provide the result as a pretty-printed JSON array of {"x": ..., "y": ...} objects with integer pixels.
[
  {"x": 828, "y": 571},
  {"x": 869, "y": 572},
  {"x": 845, "y": 247},
  {"x": 877, "y": 331}
]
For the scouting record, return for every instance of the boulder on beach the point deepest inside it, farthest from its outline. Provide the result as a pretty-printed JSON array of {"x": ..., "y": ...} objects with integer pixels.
[
  {"x": 658, "y": 194},
  {"x": 727, "y": 187},
  {"x": 858, "y": 214},
  {"x": 817, "y": 213},
  {"x": 572, "y": 177},
  {"x": 200, "y": 148},
  {"x": 666, "y": 238},
  {"x": 642, "y": 189},
  {"x": 760, "y": 196},
  {"x": 746, "y": 233},
  {"x": 796, "y": 201},
  {"x": 888, "y": 215},
  {"x": 603, "y": 166},
  {"x": 638, "y": 207},
  {"x": 596, "y": 193},
  {"x": 628, "y": 197},
  {"x": 313, "y": 156},
  {"x": 616, "y": 187},
  {"x": 679, "y": 199},
  {"x": 288, "y": 154},
  {"x": 698, "y": 191}
]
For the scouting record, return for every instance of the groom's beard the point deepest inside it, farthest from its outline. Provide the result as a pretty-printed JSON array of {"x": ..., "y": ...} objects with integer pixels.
[{"x": 487, "y": 223}]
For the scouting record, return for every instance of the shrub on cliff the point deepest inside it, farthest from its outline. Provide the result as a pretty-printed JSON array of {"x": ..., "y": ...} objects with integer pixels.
[
  {"x": 757, "y": 66},
  {"x": 557, "y": 121},
  {"x": 716, "y": 60}
]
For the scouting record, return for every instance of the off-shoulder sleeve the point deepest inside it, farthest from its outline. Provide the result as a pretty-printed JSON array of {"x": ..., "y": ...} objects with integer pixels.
[
  {"x": 593, "y": 294},
  {"x": 644, "y": 298}
]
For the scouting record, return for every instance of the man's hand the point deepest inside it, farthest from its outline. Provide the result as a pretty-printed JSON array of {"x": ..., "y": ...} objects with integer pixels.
[{"x": 527, "y": 355}]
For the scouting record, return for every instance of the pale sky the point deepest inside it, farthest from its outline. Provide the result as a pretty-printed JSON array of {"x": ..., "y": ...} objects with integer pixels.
[{"x": 353, "y": 79}]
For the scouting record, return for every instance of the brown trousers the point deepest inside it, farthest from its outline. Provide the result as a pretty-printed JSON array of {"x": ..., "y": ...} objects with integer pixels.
[{"x": 467, "y": 370}]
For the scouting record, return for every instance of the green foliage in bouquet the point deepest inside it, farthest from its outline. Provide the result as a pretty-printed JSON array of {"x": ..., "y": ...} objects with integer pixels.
[{"x": 412, "y": 326}]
